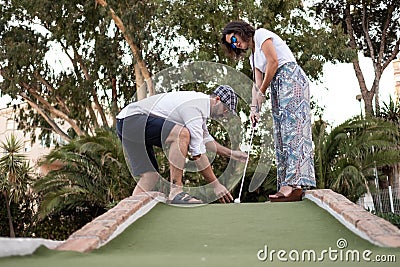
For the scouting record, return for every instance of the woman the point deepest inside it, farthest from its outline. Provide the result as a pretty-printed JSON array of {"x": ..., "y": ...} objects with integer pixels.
[{"x": 274, "y": 66}]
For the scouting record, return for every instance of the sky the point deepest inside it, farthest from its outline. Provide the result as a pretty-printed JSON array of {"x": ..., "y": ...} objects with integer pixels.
[{"x": 338, "y": 89}]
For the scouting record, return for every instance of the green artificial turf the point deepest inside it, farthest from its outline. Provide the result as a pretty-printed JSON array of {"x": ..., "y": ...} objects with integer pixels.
[{"x": 222, "y": 235}]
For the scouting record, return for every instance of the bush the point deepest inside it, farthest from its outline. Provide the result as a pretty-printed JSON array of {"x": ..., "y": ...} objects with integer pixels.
[
  {"x": 21, "y": 214},
  {"x": 59, "y": 226},
  {"x": 390, "y": 217}
]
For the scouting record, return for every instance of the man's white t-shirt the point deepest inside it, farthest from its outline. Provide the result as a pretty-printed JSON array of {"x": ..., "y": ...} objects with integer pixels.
[
  {"x": 283, "y": 52},
  {"x": 187, "y": 108}
]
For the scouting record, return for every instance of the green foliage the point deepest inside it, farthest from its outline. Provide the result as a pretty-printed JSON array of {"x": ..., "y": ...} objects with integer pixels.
[
  {"x": 22, "y": 213},
  {"x": 391, "y": 111},
  {"x": 345, "y": 157},
  {"x": 203, "y": 25},
  {"x": 378, "y": 19},
  {"x": 61, "y": 55},
  {"x": 14, "y": 180},
  {"x": 92, "y": 55},
  {"x": 268, "y": 187},
  {"x": 57, "y": 226},
  {"x": 390, "y": 217},
  {"x": 93, "y": 175},
  {"x": 60, "y": 225},
  {"x": 14, "y": 168}
]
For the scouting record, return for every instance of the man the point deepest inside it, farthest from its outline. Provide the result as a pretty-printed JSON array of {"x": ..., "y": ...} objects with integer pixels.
[{"x": 176, "y": 120}]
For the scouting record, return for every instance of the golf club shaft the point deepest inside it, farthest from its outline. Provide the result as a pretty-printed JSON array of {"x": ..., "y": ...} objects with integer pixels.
[{"x": 247, "y": 161}]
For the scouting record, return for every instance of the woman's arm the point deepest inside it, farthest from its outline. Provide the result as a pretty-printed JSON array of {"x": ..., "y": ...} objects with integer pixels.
[
  {"x": 254, "y": 92},
  {"x": 272, "y": 64}
]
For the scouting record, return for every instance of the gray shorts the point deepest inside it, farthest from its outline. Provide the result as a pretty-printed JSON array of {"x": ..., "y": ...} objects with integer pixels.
[{"x": 139, "y": 133}]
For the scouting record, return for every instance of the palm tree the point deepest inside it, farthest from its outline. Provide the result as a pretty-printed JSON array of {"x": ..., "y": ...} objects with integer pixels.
[
  {"x": 391, "y": 112},
  {"x": 15, "y": 174},
  {"x": 319, "y": 134},
  {"x": 345, "y": 157},
  {"x": 93, "y": 174}
]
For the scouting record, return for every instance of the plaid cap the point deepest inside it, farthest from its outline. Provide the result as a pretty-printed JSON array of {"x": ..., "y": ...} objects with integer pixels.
[{"x": 227, "y": 96}]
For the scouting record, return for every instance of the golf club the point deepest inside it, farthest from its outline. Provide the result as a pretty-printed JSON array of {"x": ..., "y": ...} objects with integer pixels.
[{"x": 237, "y": 200}]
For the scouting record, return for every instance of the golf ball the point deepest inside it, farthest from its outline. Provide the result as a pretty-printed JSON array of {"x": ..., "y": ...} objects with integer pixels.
[{"x": 236, "y": 200}]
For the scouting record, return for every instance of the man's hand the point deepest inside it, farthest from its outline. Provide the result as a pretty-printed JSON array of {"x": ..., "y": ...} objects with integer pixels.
[
  {"x": 239, "y": 155},
  {"x": 222, "y": 193}
]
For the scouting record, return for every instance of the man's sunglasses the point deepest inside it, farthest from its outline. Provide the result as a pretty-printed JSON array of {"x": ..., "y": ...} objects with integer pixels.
[{"x": 233, "y": 41}]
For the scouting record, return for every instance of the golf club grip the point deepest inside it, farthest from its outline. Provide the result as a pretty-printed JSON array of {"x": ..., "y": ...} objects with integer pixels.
[{"x": 255, "y": 122}]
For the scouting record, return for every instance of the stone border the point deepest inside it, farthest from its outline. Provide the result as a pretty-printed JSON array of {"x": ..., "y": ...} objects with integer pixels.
[
  {"x": 366, "y": 225},
  {"x": 108, "y": 225}
]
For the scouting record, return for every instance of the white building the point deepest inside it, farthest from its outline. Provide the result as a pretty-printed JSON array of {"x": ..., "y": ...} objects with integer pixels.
[
  {"x": 33, "y": 151},
  {"x": 396, "y": 70}
]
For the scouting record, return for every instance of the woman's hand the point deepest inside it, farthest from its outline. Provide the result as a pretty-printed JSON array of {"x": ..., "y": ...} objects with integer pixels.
[
  {"x": 260, "y": 98},
  {"x": 254, "y": 115}
]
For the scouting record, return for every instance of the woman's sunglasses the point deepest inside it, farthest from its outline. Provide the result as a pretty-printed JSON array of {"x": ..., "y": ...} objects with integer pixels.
[{"x": 233, "y": 41}]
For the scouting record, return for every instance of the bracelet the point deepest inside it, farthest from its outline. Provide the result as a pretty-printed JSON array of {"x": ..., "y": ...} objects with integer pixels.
[{"x": 260, "y": 93}]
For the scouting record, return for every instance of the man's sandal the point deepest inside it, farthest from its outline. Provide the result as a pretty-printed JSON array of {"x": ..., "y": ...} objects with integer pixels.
[{"x": 185, "y": 198}]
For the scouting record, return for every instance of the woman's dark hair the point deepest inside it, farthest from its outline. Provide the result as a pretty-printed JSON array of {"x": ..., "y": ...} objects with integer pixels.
[{"x": 241, "y": 28}]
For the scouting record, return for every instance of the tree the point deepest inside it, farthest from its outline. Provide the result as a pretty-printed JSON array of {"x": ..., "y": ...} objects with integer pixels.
[
  {"x": 22, "y": 213},
  {"x": 391, "y": 112},
  {"x": 83, "y": 89},
  {"x": 131, "y": 11},
  {"x": 93, "y": 175},
  {"x": 345, "y": 157},
  {"x": 108, "y": 49},
  {"x": 372, "y": 28},
  {"x": 312, "y": 46},
  {"x": 15, "y": 175}
]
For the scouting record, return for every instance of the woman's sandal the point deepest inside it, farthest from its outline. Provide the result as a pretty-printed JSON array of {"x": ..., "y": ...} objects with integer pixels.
[
  {"x": 185, "y": 198},
  {"x": 295, "y": 195}
]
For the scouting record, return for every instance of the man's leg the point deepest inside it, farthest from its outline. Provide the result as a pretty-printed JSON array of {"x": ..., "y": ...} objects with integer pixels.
[
  {"x": 131, "y": 131},
  {"x": 146, "y": 182},
  {"x": 178, "y": 141}
]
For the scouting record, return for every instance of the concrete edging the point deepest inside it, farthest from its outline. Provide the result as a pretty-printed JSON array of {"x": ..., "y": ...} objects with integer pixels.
[
  {"x": 108, "y": 225},
  {"x": 20, "y": 246},
  {"x": 361, "y": 222}
]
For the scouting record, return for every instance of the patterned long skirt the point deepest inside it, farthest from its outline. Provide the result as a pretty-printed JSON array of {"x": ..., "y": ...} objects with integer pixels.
[{"x": 290, "y": 97}]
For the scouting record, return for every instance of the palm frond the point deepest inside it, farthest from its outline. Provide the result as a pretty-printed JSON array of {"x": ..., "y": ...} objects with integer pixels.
[
  {"x": 93, "y": 173},
  {"x": 350, "y": 150}
]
